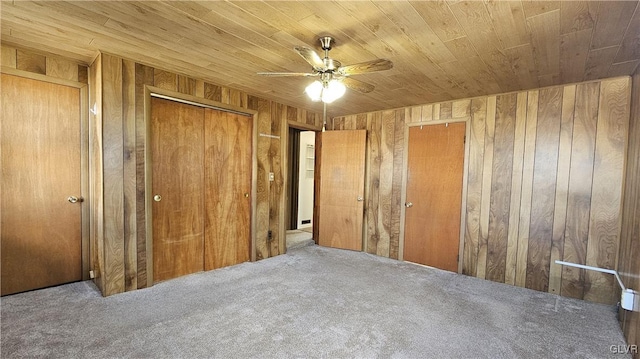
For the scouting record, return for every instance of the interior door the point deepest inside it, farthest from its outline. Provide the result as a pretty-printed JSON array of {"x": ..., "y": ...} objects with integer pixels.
[
  {"x": 41, "y": 176},
  {"x": 228, "y": 188},
  {"x": 434, "y": 195},
  {"x": 177, "y": 156},
  {"x": 341, "y": 189}
]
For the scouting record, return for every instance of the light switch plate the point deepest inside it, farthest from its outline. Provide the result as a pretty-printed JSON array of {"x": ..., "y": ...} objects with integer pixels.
[{"x": 272, "y": 177}]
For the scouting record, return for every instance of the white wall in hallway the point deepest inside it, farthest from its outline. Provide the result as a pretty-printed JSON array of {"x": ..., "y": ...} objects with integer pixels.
[{"x": 305, "y": 190}]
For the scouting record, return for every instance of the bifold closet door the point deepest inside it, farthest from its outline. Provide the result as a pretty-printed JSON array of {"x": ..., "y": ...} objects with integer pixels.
[
  {"x": 228, "y": 188},
  {"x": 177, "y": 150}
]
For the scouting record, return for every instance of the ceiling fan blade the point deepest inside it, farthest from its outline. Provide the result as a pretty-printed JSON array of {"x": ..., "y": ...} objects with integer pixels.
[
  {"x": 311, "y": 57},
  {"x": 357, "y": 85},
  {"x": 280, "y": 74},
  {"x": 364, "y": 67}
]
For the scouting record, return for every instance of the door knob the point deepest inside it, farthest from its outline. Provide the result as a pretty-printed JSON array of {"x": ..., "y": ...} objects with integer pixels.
[
  {"x": 157, "y": 198},
  {"x": 360, "y": 199},
  {"x": 74, "y": 199},
  {"x": 408, "y": 204}
]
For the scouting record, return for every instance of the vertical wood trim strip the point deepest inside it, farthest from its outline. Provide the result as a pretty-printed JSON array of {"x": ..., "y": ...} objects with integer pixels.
[
  {"x": 527, "y": 187},
  {"x": 396, "y": 205},
  {"x": 501, "y": 187},
  {"x": 474, "y": 184},
  {"x": 516, "y": 188},
  {"x": 485, "y": 202},
  {"x": 544, "y": 188},
  {"x": 374, "y": 124},
  {"x": 129, "y": 175},
  {"x": 562, "y": 188},
  {"x": 262, "y": 183},
  {"x": 113, "y": 147},
  {"x": 386, "y": 181}
]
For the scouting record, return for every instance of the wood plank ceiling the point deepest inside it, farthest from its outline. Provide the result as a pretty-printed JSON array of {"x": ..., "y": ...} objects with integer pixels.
[{"x": 441, "y": 50}]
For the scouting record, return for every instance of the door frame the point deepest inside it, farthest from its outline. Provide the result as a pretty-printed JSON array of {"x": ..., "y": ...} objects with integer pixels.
[
  {"x": 465, "y": 173},
  {"x": 84, "y": 157},
  {"x": 285, "y": 166},
  {"x": 152, "y": 91}
]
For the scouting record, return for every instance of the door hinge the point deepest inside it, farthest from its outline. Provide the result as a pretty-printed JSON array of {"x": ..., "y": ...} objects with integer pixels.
[
  {"x": 464, "y": 140},
  {"x": 269, "y": 236},
  {"x": 458, "y": 258}
]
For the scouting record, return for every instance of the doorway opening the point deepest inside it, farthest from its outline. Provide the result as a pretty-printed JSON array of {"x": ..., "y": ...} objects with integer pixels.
[{"x": 300, "y": 188}]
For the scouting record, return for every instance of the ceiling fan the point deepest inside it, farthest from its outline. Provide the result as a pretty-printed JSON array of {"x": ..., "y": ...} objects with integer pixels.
[{"x": 333, "y": 77}]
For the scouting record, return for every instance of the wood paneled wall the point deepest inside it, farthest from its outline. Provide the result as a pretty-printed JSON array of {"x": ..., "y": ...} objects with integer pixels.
[
  {"x": 122, "y": 259},
  {"x": 43, "y": 64},
  {"x": 629, "y": 262},
  {"x": 544, "y": 182}
]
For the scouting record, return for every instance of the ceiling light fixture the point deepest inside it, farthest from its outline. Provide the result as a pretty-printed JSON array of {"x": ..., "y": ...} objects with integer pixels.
[{"x": 326, "y": 91}]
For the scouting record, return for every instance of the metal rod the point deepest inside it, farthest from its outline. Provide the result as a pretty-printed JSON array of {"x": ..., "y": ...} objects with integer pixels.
[
  {"x": 582, "y": 266},
  {"x": 324, "y": 115}
]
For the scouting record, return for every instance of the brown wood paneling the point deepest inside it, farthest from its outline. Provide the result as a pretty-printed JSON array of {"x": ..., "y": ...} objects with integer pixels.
[
  {"x": 8, "y": 58},
  {"x": 474, "y": 185},
  {"x": 580, "y": 181},
  {"x": 31, "y": 62},
  {"x": 165, "y": 80},
  {"x": 177, "y": 155},
  {"x": 262, "y": 206},
  {"x": 374, "y": 127},
  {"x": 61, "y": 68},
  {"x": 387, "y": 138},
  {"x": 527, "y": 188},
  {"x": 516, "y": 189},
  {"x": 213, "y": 92},
  {"x": 396, "y": 190},
  {"x": 501, "y": 187},
  {"x": 144, "y": 76},
  {"x": 129, "y": 175},
  {"x": 113, "y": 162},
  {"x": 628, "y": 264},
  {"x": 227, "y": 189},
  {"x": 485, "y": 199},
  {"x": 41, "y": 154},
  {"x": 276, "y": 187},
  {"x": 544, "y": 186},
  {"x": 562, "y": 188},
  {"x": 608, "y": 172}
]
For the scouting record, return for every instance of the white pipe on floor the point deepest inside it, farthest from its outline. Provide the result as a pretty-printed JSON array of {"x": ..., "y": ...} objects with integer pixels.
[{"x": 629, "y": 299}]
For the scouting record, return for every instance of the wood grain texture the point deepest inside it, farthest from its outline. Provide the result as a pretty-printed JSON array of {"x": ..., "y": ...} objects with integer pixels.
[
  {"x": 41, "y": 153},
  {"x": 562, "y": 188},
  {"x": 276, "y": 187},
  {"x": 264, "y": 127},
  {"x": 387, "y": 138},
  {"x": 61, "y": 68},
  {"x": 516, "y": 188},
  {"x": 113, "y": 148},
  {"x": 485, "y": 201},
  {"x": 8, "y": 56},
  {"x": 96, "y": 173},
  {"x": 628, "y": 264},
  {"x": 474, "y": 185},
  {"x": 434, "y": 187},
  {"x": 501, "y": 187},
  {"x": 580, "y": 185},
  {"x": 31, "y": 62},
  {"x": 396, "y": 190},
  {"x": 606, "y": 195},
  {"x": 527, "y": 187},
  {"x": 374, "y": 127},
  {"x": 144, "y": 76},
  {"x": 227, "y": 186},
  {"x": 544, "y": 186},
  {"x": 342, "y": 182},
  {"x": 129, "y": 175},
  {"x": 177, "y": 145}
]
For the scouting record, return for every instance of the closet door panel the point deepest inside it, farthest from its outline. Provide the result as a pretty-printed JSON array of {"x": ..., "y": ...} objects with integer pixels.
[{"x": 227, "y": 188}]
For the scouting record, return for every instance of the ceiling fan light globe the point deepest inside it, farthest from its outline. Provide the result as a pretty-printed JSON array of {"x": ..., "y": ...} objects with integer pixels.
[
  {"x": 314, "y": 91},
  {"x": 334, "y": 90}
]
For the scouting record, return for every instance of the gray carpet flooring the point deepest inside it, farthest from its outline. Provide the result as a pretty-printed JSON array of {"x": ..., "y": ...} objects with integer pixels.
[{"x": 312, "y": 302}]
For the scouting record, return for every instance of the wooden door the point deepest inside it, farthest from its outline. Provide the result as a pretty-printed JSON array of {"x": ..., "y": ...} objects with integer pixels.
[
  {"x": 227, "y": 188},
  {"x": 434, "y": 195},
  {"x": 41, "y": 169},
  {"x": 341, "y": 189},
  {"x": 177, "y": 157}
]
